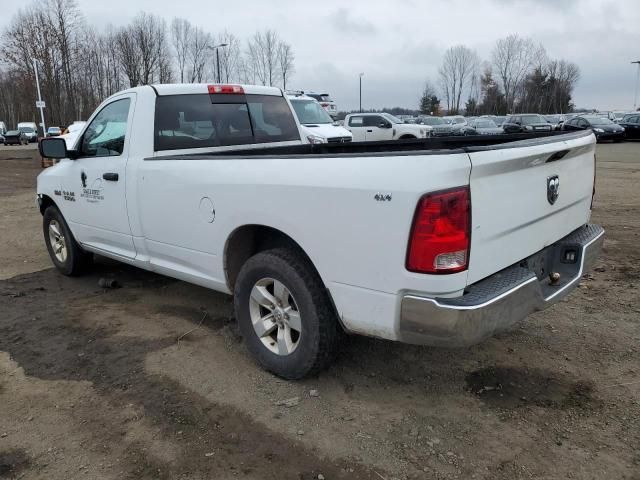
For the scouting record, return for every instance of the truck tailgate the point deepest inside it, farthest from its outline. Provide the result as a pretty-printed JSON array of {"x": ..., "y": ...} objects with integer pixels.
[{"x": 513, "y": 210}]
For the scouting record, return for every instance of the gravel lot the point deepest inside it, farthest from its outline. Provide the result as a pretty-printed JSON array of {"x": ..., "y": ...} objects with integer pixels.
[{"x": 94, "y": 383}]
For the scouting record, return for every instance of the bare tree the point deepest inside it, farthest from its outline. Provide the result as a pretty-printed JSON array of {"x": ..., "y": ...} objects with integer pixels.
[
  {"x": 459, "y": 66},
  {"x": 129, "y": 55},
  {"x": 230, "y": 57},
  {"x": 262, "y": 56},
  {"x": 514, "y": 57},
  {"x": 181, "y": 33},
  {"x": 198, "y": 54},
  {"x": 285, "y": 62}
]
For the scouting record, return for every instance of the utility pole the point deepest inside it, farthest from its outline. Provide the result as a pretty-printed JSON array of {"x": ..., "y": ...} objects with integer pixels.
[
  {"x": 216, "y": 48},
  {"x": 635, "y": 98},
  {"x": 40, "y": 102},
  {"x": 361, "y": 75}
]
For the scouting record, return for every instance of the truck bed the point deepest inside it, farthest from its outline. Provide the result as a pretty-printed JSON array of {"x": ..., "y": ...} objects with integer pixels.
[{"x": 440, "y": 145}]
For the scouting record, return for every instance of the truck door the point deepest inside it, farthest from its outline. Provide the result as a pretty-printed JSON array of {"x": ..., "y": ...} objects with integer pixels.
[
  {"x": 95, "y": 204},
  {"x": 377, "y": 128},
  {"x": 357, "y": 128}
]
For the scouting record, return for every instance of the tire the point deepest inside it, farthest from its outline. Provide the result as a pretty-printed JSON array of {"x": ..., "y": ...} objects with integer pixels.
[
  {"x": 70, "y": 260},
  {"x": 295, "y": 354}
]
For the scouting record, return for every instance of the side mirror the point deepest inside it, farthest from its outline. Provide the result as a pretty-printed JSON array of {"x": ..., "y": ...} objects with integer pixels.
[
  {"x": 384, "y": 125},
  {"x": 53, "y": 147},
  {"x": 518, "y": 123}
]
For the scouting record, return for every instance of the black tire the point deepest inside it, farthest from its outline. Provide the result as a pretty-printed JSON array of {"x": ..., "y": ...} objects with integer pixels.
[
  {"x": 320, "y": 333},
  {"x": 77, "y": 260}
]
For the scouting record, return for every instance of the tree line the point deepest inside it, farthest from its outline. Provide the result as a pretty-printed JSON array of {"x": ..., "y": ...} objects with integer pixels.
[
  {"x": 79, "y": 67},
  {"x": 520, "y": 77}
]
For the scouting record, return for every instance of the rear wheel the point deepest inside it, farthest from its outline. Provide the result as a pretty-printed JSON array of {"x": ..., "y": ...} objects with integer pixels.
[
  {"x": 285, "y": 314},
  {"x": 63, "y": 249}
]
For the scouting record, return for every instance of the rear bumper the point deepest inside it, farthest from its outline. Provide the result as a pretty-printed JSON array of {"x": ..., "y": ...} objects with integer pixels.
[
  {"x": 610, "y": 136},
  {"x": 498, "y": 302}
]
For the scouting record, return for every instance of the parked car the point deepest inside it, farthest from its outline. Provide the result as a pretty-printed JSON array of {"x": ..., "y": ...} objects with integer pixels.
[
  {"x": 15, "y": 137},
  {"x": 631, "y": 125},
  {"x": 526, "y": 123},
  {"x": 30, "y": 129},
  {"x": 3, "y": 128},
  {"x": 316, "y": 122},
  {"x": 619, "y": 115},
  {"x": 214, "y": 185},
  {"x": 459, "y": 125},
  {"x": 556, "y": 121},
  {"x": 485, "y": 126},
  {"x": 441, "y": 128},
  {"x": 376, "y": 127},
  {"x": 603, "y": 128},
  {"x": 54, "y": 132},
  {"x": 325, "y": 101}
]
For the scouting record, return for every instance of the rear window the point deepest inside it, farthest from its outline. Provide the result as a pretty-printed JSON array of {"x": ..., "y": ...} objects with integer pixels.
[{"x": 193, "y": 121}]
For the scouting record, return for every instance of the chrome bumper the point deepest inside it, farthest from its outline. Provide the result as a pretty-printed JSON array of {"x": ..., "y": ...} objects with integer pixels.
[{"x": 498, "y": 302}]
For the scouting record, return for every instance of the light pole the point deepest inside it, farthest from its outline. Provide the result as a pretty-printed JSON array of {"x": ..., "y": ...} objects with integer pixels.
[
  {"x": 635, "y": 97},
  {"x": 40, "y": 103},
  {"x": 216, "y": 47},
  {"x": 361, "y": 75}
]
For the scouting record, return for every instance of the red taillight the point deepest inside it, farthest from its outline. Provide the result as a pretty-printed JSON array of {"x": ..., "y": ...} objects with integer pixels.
[
  {"x": 325, "y": 104},
  {"x": 440, "y": 235},
  {"x": 213, "y": 89}
]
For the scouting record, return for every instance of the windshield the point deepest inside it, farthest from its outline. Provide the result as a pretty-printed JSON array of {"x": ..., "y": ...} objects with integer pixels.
[
  {"x": 531, "y": 119},
  {"x": 310, "y": 112},
  {"x": 433, "y": 121},
  {"x": 485, "y": 124},
  {"x": 391, "y": 118},
  {"x": 599, "y": 121},
  {"x": 26, "y": 129}
]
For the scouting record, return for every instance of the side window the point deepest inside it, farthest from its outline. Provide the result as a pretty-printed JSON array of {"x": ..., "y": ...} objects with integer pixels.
[
  {"x": 635, "y": 119},
  {"x": 373, "y": 121},
  {"x": 356, "y": 122},
  {"x": 583, "y": 123},
  {"x": 105, "y": 135}
]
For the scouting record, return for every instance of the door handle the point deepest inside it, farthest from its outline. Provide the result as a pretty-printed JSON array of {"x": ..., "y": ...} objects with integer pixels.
[
  {"x": 369, "y": 131},
  {"x": 111, "y": 177}
]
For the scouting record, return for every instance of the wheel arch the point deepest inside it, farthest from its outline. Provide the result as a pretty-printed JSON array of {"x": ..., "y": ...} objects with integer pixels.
[
  {"x": 407, "y": 136},
  {"x": 247, "y": 240},
  {"x": 45, "y": 202}
]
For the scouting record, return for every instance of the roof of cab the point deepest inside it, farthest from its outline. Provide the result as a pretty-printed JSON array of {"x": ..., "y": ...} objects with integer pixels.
[{"x": 195, "y": 88}]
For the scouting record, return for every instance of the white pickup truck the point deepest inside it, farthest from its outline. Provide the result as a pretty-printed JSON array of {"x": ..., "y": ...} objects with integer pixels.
[
  {"x": 380, "y": 127},
  {"x": 440, "y": 242}
]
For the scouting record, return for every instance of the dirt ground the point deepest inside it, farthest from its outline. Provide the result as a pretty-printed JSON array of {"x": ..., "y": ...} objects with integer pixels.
[{"x": 152, "y": 380}]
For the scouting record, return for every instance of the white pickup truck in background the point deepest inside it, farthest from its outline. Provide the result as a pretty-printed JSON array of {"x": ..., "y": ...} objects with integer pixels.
[
  {"x": 438, "y": 242},
  {"x": 380, "y": 127}
]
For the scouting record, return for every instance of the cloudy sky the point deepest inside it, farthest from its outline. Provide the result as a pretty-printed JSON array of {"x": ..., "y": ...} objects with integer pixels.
[{"x": 400, "y": 43}]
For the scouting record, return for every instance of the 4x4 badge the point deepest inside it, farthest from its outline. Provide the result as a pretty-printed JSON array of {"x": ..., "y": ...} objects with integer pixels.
[{"x": 553, "y": 188}]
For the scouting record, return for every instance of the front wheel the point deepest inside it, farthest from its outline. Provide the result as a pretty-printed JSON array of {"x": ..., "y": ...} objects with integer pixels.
[
  {"x": 285, "y": 315},
  {"x": 65, "y": 253}
]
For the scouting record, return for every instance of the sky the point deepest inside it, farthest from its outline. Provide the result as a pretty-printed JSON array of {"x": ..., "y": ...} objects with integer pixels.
[{"x": 398, "y": 44}]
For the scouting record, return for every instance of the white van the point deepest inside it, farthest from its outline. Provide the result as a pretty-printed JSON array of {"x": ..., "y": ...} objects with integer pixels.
[{"x": 30, "y": 129}]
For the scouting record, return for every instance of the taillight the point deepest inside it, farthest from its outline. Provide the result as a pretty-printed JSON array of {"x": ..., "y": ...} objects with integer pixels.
[
  {"x": 441, "y": 233},
  {"x": 229, "y": 89},
  {"x": 324, "y": 104}
]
